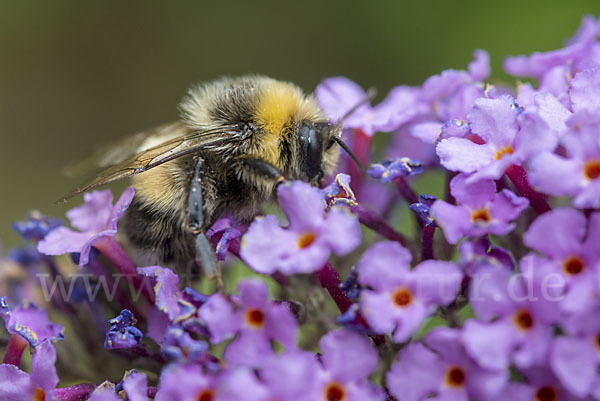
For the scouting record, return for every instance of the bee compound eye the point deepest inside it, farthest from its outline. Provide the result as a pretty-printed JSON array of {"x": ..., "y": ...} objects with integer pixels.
[{"x": 311, "y": 149}]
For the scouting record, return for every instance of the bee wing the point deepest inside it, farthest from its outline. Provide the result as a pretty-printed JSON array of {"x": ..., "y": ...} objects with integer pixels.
[
  {"x": 191, "y": 141},
  {"x": 118, "y": 151}
]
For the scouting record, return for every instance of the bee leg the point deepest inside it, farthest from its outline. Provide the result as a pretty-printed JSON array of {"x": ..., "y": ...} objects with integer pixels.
[
  {"x": 195, "y": 222},
  {"x": 263, "y": 169}
]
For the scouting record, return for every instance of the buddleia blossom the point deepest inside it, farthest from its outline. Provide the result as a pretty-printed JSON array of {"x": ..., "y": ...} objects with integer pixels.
[
  {"x": 95, "y": 219},
  {"x": 399, "y": 299},
  {"x": 480, "y": 210},
  {"x": 306, "y": 244}
]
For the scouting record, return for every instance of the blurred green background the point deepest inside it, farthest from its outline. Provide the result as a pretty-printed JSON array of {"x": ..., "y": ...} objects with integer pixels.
[{"x": 77, "y": 74}]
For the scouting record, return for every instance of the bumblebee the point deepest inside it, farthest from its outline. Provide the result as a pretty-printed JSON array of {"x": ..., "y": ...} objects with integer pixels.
[{"x": 235, "y": 141}]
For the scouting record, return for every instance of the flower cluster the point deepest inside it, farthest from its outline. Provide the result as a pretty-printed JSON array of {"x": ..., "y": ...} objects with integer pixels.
[{"x": 489, "y": 290}]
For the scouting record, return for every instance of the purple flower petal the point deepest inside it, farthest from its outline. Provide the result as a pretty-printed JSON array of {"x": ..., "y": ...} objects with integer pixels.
[
  {"x": 495, "y": 120},
  {"x": 459, "y": 154},
  {"x": 338, "y": 95},
  {"x": 341, "y": 231},
  {"x": 94, "y": 213},
  {"x": 43, "y": 371},
  {"x": 417, "y": 373},
  {"x": 437, "y": 281},
  {"x": 348, "y": 355},
  {"x": 303, "y": 205},
  {"x": 555, "y": 175},
  {"x": 490, "y": 344},
  {"x": 584, "y": 89},
  {"x": 543, "y": 236},
  {"x": 14, "y": 384},
  {"x": 480, "y": 67},
  {"x": 219, "y": 315},
  {"x": 136, "y": 387},
  {"x": 454, "y": 220},
  {"x": 428, "y": 132},
  {"x": 383, "y": 262}
]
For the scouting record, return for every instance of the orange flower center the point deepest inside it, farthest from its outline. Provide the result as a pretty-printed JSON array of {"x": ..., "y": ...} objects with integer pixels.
[
  {"x": 334, "y": 392},
  {"x": 402, "y": 297},
  {"x": 481, "y": 215},
  {"x": 206, "y": 395},
  {"x": 255, "y": 317},
  {"x": 546, "y": 394},
  {"x": 455, "y": 377},
  {"x": 507, "y": 150},
  {"x": 39, "y": 395},
  {"x": 305, "y": 240},
  {"x": 524, "y": 320},
  {"x": 598, "y": 341},
  {"x": 573, "y": 265},
  {"x": 591, "y": 169}
]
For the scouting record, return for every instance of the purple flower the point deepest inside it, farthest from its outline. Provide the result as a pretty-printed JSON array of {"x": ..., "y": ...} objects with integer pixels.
[
  {"x": 122, "y": 333},
  {"x": 309, "y": 239},
  {"x": 165, "y": 289},
  {"x": 541, "y": 385},
  {"x": 387, "y": 170},
  {"x": 16, "y": 385},
  {"x": 255, "y": 319},
  {"x": 443, "y": 370},
  {"x": 423, "y": 209},
  {"x": 517, "y": 313},
  {"x": 180, "y": 347},
  {"x": 339, "y": 191},
  {"x": 30, "y": 322},
  {"x": 348, "y": 359},
  {"x": 575, "y": 357},
  {"x": 399, "y": 299},
  {"x": 578, "y": 174},
  {"x": 510, "y": 136},
  {"x": 478, "y": 253},
  {"x": 577, "y": 52},
  {"x": 571, "y": 253},
  {"x": 95, "y": 219},
  {"x": 338, "y": 95},
  {"x": 226, "y": 235},
  {"x": 186, "y": 383},
  {"x": 480, "y": 209},
  {"x": 37, "y": 226},
  {"x": 189, "y": 304}
]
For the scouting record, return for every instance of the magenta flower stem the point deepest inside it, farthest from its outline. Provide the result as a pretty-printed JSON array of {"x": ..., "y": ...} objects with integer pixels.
[
  {"x": 405, "y": 190},
  {"x": 361, "y": 143},
  {"x": 97, "y": 269},
  {"x": 330, "y": 280},
  {"x": 518, "y": 176},
  {"x": 113, "y": 251},
  {"x": 427, "y": 242},
  {"x": 79, "y": 392},
  {"x": 14, "y": 350},
  {"x": 371, "y": 220}
]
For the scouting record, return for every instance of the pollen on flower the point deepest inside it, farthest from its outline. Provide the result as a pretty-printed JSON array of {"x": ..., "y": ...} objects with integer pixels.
[
  {"x": 255, "y": 317},
  {"x": 481, "y": 215},
  {"x": 573, "y": 265},
  {"x": 455, "y": 377},
  {"x": 334, "y": 392},
  {"x": 306, "y": 240},
  {"x": 39, "y": 395},
  {"x": 402, "y": 297},
  {"x": 524, "y": 320},
  {"x": 506, "y": 150},
  {"x": 206, "y": 395},
  {"x": 591, "y": 169},
  {"x": 546, "y": 393}
]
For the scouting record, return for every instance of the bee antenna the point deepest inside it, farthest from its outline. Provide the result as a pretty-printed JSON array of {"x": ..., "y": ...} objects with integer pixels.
[{"x": 350, "y": 153}]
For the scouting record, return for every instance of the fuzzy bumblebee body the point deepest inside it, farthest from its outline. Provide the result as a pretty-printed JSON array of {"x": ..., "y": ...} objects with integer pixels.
[{"x": 236, "y": 140}]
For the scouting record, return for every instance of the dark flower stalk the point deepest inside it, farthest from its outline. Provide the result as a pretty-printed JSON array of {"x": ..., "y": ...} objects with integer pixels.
[
  {"x": 371, "y": 220},
  {"x": 113, "y": 251},
  {"x": 518, "y": 177},
  {"x": 330, "y": 280},
  {"x": 79, "y": 392},
  {"x": 427, "y": 242},
  {"x": 405, "y": 190},
  {"x": 14, "y": 350}
]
